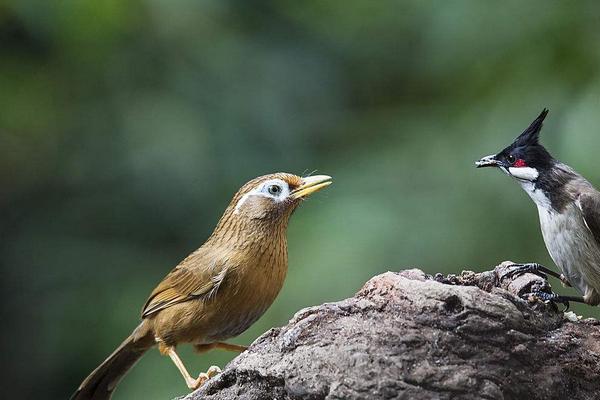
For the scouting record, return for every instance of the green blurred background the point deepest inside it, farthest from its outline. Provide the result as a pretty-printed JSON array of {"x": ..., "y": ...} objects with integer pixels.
[{"x": 126, "y": 127}]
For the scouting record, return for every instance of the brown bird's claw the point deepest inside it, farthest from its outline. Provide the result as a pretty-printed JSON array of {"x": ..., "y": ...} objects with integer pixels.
[
  {"x": 191, "y": 382},
  {"x": 204, "y": 377},
  {"x": 213, "y": 371},
  {"x": 195, "y": 384}
]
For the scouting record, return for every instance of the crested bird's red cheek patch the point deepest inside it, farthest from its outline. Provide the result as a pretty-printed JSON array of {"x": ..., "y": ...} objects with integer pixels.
[{"x": 520, "y": 163}]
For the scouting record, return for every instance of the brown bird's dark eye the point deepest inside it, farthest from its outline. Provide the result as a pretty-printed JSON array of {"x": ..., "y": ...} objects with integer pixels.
[{"x": 274, "y": 189}]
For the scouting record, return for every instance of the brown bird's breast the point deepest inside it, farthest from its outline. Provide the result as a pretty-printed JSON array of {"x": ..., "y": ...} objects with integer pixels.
[
  {"x": 245, "y": 297},
  {"x": 251, "y": 282}
]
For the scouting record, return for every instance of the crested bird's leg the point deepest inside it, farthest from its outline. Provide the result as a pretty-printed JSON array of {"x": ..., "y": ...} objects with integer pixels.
[
  {"x": 201, "y": 348},
  {"x": 556, "y": 298},
  {"x": 536, "y": 269},
  {"x": 191, "y": 382}
]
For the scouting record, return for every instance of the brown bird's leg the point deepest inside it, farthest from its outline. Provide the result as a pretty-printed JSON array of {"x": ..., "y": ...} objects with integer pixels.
[
  {"x": 191, "y": 382},
  {"x": 231, "y": 347},
  {"x": 201, "y": 348}
]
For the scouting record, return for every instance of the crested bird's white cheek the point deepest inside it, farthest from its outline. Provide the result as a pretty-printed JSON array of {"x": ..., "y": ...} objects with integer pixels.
[{"x": 526, "y": 173}]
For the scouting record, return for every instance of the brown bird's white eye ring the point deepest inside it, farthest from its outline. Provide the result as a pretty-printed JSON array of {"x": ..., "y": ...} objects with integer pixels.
[{"x": 275, "y": 189}]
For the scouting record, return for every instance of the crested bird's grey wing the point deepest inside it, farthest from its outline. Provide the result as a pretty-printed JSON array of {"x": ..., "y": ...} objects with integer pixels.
[
  {"x": 589, "y": 203},
  {"x": 186, "y": 282}
]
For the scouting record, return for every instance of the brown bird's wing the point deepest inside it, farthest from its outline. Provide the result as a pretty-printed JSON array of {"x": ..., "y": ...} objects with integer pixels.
[
  {"x": 189, "y": 280},
  {"x": 589, "y": 203}
]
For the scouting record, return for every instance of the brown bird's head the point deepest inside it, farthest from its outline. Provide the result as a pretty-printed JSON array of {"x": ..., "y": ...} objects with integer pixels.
[{"x": 269, "y": 201}]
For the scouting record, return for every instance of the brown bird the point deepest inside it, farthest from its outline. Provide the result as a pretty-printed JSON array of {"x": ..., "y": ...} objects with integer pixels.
[{"x": 219, "y": 290}]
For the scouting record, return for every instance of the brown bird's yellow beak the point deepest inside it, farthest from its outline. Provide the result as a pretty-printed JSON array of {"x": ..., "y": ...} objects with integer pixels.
[{"x": 311, "y": 184}]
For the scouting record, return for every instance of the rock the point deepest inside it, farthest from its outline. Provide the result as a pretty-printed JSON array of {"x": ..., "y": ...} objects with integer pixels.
[{"x": 408, "y": 335}]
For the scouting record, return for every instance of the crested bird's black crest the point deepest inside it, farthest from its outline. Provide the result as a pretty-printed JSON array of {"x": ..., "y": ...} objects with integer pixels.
[
  {"x": 527, "y": 147},
  {"x": 531, "y": 135}
]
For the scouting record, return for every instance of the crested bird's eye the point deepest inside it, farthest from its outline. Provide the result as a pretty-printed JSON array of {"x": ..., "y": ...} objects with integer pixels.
[
  {"x": 274, "y": 189},
  {"x": 511, "y": 159}
]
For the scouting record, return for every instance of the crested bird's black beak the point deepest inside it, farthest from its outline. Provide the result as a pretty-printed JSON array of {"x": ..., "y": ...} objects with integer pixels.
[
  {"x": 488, "y": 161},
  {"x": 311, "y": 184}
]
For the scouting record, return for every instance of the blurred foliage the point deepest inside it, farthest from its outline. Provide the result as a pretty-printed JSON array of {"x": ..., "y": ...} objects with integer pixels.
[{"x": 126, "y": 126}]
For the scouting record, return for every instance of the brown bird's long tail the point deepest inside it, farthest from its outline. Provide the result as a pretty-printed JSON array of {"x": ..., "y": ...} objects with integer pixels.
[{"x": 100, "y": 384}]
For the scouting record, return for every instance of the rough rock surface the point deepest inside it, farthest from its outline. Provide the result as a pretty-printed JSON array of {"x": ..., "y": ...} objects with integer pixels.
[{"x": 411, "y": 336}]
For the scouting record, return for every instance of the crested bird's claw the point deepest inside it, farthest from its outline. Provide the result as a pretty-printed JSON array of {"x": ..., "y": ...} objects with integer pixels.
[
  {"x": 537, "y": 269},
  {"x": 520, "y": 269},
  {"x": 565, "y": 282},
  {"x": 552, "y": 298}
]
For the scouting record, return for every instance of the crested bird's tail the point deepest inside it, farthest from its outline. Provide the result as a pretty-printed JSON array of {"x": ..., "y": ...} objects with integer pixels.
[{"x": 100, "y": 384}]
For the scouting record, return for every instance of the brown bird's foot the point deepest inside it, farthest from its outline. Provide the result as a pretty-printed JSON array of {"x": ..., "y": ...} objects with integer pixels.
[
  {"x": 555, "y": 298},
  {"x": 201, "y": 348},
  {"x": 191, "y": 382},
  {"x": 537, "y": 269},
  {"x": 203, "y": 377}
]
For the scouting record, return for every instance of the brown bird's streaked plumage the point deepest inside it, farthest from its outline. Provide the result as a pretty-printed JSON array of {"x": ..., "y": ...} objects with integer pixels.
[{"x": 219, "y": 290}]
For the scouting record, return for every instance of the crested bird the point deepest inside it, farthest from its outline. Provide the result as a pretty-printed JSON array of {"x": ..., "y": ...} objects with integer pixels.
[
  {"x": 220, "y": 289},
  {"x": 568, "y": 209}
]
